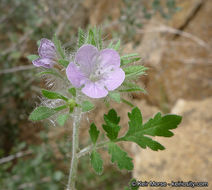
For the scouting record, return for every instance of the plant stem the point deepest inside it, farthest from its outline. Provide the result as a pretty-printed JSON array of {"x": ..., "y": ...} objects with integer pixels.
[
  {"x": 89, "y": 148},
  {"x": 75, "y": 146}
]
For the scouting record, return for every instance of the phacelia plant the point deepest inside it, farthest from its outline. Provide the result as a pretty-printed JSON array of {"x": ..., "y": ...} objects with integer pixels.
[{"x": 92, "y": 72}]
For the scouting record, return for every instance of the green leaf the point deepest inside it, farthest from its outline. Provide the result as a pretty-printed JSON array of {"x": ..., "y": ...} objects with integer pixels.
[
  {"x": 81, "y": 37},
  {"x": 91, "y": 37},
  {"x": 61, "y": 119},
  {"x": 129, "y": 55},
  {"x": 96, "y": 162},
  {"x": 117, "y": 46},
  {"x": 120, "y": 157},
  {"x": 158, "y": 126},
  {"x": 134, "y": 71},
  {"x": 115, "y": 96},
  {"x": 128, "y": 61},
  {"x": 99, "y": 34},
  {"x": 87, "y": 106},
  {"x": 63, "y": 62},
  {"x": 111, "y": 126},
  {"x": 127, "y": 102},
  {"x": 72, "y": 91},
  {"x": 49, "y": 72},
  {"x": 110, "y": 46},
  {"x": 94, "y": 133},
  {"x": 131, "y": 87},
  {"x": 32, "y": 57},
  {"x": 59, "y": 108},
  {"x": 58, "y": 46},
  {"x": 53, "y": 95},
  {"x": 38, "y": 43},
  {"x": 41, "y": 113}
]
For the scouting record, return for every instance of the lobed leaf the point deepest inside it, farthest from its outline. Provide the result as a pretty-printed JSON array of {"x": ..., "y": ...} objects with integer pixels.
[
  {"x": 111, "y": 126},
  {"x": 94, "y": 133},
  {"x": 96, "y": 162},
  {"x": 158, "y": 126},
  {"x": 120, "y": 157}
]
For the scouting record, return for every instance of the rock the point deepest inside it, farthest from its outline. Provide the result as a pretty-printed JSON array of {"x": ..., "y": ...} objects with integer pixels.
[
  {"x": 178, "y": 53},
  {"x": 188, "y": 153},
  {"x": 100, "y": 10}
]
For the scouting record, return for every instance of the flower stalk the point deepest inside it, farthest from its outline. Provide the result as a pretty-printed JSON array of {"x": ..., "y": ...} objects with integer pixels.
[{"x": 75, "y": 146}]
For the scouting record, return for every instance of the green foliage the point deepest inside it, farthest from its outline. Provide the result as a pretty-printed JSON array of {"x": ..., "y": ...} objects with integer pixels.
[
  {"x": 94, "y": 37},
  {"x": 39, "y": 170},
  {"x": 115, "y": 46},
  {"x": 32, "y": 57},
  {"x": 120, "y": 157},
  {"x": 111, "y": 126},
  {"x": 94, "y": 133},
  {"x": 134, "y": 71},
  {"x": 131, "y": 87},
  {"x": 53, "y": 95},
  {"x": 133, "y": 12},
  {"x": 58, "y": 46},
  {"x": 63, "y": 62},
  {"x": 49, "y": 72},
  {"x": 129, "y": 58},
  {"x": 96, "y": 162},
  {"x": 127, "y": 102},
  {"x": 72, "y": 91},
  {"x": 61, "y": 119},
  {"x": 41, "y": 113},
  {"x": 115, "y": 96},
  {"x": 87, "y": 106},
  {"x": 81, "y": 37},
  {"x": 138, "y": 133},
  {"x": 158, "y": 126}
]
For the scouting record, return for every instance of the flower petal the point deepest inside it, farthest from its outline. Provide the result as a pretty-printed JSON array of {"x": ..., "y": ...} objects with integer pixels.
[
  {"x": 44, "y": 62},
  {"x": 85, "y": 57},
  {"x": 47, "y": 49},
  {"x": 114, "y": 79},
  {"x": 109, "y": 57},
  {"x": 75, "y": 76},
  {"x": 94, "y": 90}
]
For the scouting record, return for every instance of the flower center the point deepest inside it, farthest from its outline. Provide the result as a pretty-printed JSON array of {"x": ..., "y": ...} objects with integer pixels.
[
  {"x": 95, "y": 76},
  {"x": 96, "y": 73}
]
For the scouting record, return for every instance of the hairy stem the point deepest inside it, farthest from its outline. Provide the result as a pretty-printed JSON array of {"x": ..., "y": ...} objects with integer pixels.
[
  {"x": 75, "y": 146},
  {"x": 89, "y": 148}
]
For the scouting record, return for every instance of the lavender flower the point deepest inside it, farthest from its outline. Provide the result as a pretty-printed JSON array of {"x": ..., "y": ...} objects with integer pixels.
[
  {"x": 47, "y": 53},
  {"x": 96, "y": 71}
]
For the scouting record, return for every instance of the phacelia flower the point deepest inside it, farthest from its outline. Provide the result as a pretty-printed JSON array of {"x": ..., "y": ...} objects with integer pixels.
[
  {"x": 97, "y": 72},
  {"x": 47, "y": 53}
]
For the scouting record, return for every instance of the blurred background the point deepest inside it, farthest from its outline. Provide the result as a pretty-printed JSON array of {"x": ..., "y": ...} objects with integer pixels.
[{"x": 174, "y": 39}]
